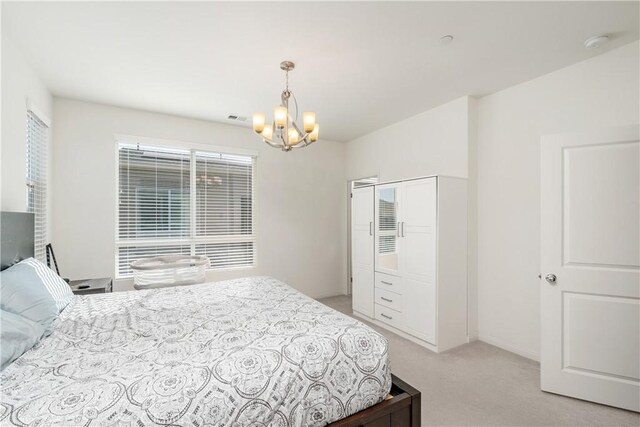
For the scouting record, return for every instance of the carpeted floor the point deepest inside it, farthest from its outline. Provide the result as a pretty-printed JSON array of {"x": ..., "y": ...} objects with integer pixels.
[{"x": 478, "y": 384}]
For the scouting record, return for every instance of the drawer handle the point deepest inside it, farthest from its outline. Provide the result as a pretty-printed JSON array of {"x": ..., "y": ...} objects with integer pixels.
[
  {"x": 386, "y": 283},
  {"x": 384, "y": 315},
  {"x": 386, "y": 299}
]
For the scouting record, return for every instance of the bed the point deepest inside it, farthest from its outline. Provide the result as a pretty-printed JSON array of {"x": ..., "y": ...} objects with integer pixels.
[
  {"x": 238, "y": 352},
  {"x": 250, "y": 351}
]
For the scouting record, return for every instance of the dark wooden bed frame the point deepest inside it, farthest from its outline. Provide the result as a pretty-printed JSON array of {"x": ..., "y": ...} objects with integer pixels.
[{"x": 402, "y": 410}]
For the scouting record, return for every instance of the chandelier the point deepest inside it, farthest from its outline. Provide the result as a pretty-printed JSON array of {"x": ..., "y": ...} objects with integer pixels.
[{"x": 284, "y": 132}]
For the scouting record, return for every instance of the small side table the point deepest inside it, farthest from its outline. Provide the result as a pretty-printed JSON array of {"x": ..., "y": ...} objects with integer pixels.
[{"x": 91, "y": 286}]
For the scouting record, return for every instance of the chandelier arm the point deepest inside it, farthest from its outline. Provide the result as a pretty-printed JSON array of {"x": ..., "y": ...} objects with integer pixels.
[
  {"x": 281, "y": 136},
  {"x": 306, "y": 144},
  {"x": 295, "y": 102},
  {"x": 306, "y": 141},
  {"x": 271, "y": 143},
  {"x": 302, "y": 134},
  {"x": 301, "y": 143}
]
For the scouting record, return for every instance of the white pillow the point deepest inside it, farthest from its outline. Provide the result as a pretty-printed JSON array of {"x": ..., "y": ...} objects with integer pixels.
[
  {"x": 18, "y": 335},
  {"x": 54, "y": 284}
]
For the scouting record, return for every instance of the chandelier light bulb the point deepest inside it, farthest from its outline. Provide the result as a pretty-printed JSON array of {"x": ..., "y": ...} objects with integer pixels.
[
  {"x": 315, "y": 133},
  {"x": 267, "y": 132},
  {"x": 294, "y": 136},
  {"x": 258, "y": 122},
  {"x": 280, "y": 116},
  {"x": 309, "y": 121}
]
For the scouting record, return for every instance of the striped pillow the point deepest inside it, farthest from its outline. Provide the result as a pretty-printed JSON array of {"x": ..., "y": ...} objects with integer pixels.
[{"x": 54, "y": 284}]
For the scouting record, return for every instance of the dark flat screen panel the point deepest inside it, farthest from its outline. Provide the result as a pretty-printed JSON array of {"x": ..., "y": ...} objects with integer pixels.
[{"x": 16, "y": 234}]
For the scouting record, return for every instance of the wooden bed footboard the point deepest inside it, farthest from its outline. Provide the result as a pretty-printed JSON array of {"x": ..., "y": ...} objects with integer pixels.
[{"x": 402, "y": 410}]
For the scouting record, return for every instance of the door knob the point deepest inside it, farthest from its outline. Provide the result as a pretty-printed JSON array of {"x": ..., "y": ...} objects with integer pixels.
[{"x": 551, "y": 278}]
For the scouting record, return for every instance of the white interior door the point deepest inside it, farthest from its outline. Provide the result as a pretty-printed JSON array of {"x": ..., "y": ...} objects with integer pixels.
[
  {"x": 590, "y": 256},
  {"x": 362, "y": 255}
]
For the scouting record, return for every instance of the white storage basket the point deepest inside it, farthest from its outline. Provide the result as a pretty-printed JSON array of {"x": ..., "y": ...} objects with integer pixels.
[{"x": 170, "y": 270}]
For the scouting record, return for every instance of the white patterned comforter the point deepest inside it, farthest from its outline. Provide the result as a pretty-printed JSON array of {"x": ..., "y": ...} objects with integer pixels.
[{"x": 242, "y": 352}]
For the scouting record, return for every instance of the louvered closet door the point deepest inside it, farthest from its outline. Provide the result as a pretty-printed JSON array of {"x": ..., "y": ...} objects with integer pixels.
[
  {"x": 418, "y": 261},
  {"x": 362, "y": 255}
]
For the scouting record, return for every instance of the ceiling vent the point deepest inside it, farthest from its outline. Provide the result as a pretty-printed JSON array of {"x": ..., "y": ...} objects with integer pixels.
[{"x": 237, "y": 118}]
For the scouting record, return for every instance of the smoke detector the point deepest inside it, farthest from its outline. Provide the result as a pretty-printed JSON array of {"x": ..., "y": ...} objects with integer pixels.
[
  {"x": 446, "y": 39},
  {"x": 596, "y": 41}
]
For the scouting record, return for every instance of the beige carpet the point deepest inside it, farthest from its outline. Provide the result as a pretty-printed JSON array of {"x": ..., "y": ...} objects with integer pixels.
[{"x": 481, "y": 385}]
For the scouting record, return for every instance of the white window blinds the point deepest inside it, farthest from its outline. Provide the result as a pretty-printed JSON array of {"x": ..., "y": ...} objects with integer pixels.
[
  {"x": 224, "y": 208},
  {"x": 176, "y": 201},
  {"x": 154, "y": 193},
  {"x": 36, "y": 178}
]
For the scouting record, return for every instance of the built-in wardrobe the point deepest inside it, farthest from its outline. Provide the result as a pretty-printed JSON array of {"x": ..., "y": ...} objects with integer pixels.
[{"x": 409, "y": 258}]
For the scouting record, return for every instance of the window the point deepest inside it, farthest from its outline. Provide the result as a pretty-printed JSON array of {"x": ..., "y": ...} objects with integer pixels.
[
  {"x": 37, "y": 180},
  {"x": 189, "y": 202}
]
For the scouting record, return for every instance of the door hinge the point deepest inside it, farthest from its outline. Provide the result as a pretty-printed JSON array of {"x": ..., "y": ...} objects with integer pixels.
[
  {"x": 352, "y": 195},
  {"x": 352, "y": 280}
]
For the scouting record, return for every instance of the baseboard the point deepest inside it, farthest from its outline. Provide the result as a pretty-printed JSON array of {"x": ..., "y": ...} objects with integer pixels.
[
  {"x": 508, "y": 347},
  {"x": 329, "y": 295}
]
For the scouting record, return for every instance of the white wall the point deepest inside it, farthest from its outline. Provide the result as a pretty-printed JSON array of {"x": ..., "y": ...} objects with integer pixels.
[
  {"x": 19, "y": 83},
  {"x": 301, "y": 196},
  {"x": 437, "y": 141},
  {"x": 600, "y": 92},
  {"x": 472, "y": 220},
  {"x": 430, "y": 143}
]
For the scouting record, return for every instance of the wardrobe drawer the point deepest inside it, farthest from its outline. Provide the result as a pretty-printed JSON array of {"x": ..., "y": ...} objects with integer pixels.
[
  {"x": 388, "y": 282},
  {"x": 389, "y": 299},
  {"x": 388, "y": 316}
]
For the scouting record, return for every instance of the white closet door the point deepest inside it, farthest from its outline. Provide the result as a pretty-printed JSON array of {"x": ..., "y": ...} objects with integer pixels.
[
  {"x": 418, "y": 229},
  {"x": 362, "y": 255},
  {"x": 418, "y": 261}
]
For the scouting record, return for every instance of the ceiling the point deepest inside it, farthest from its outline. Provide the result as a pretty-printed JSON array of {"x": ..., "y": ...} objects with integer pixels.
[{"x": 360, "y": 65}]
